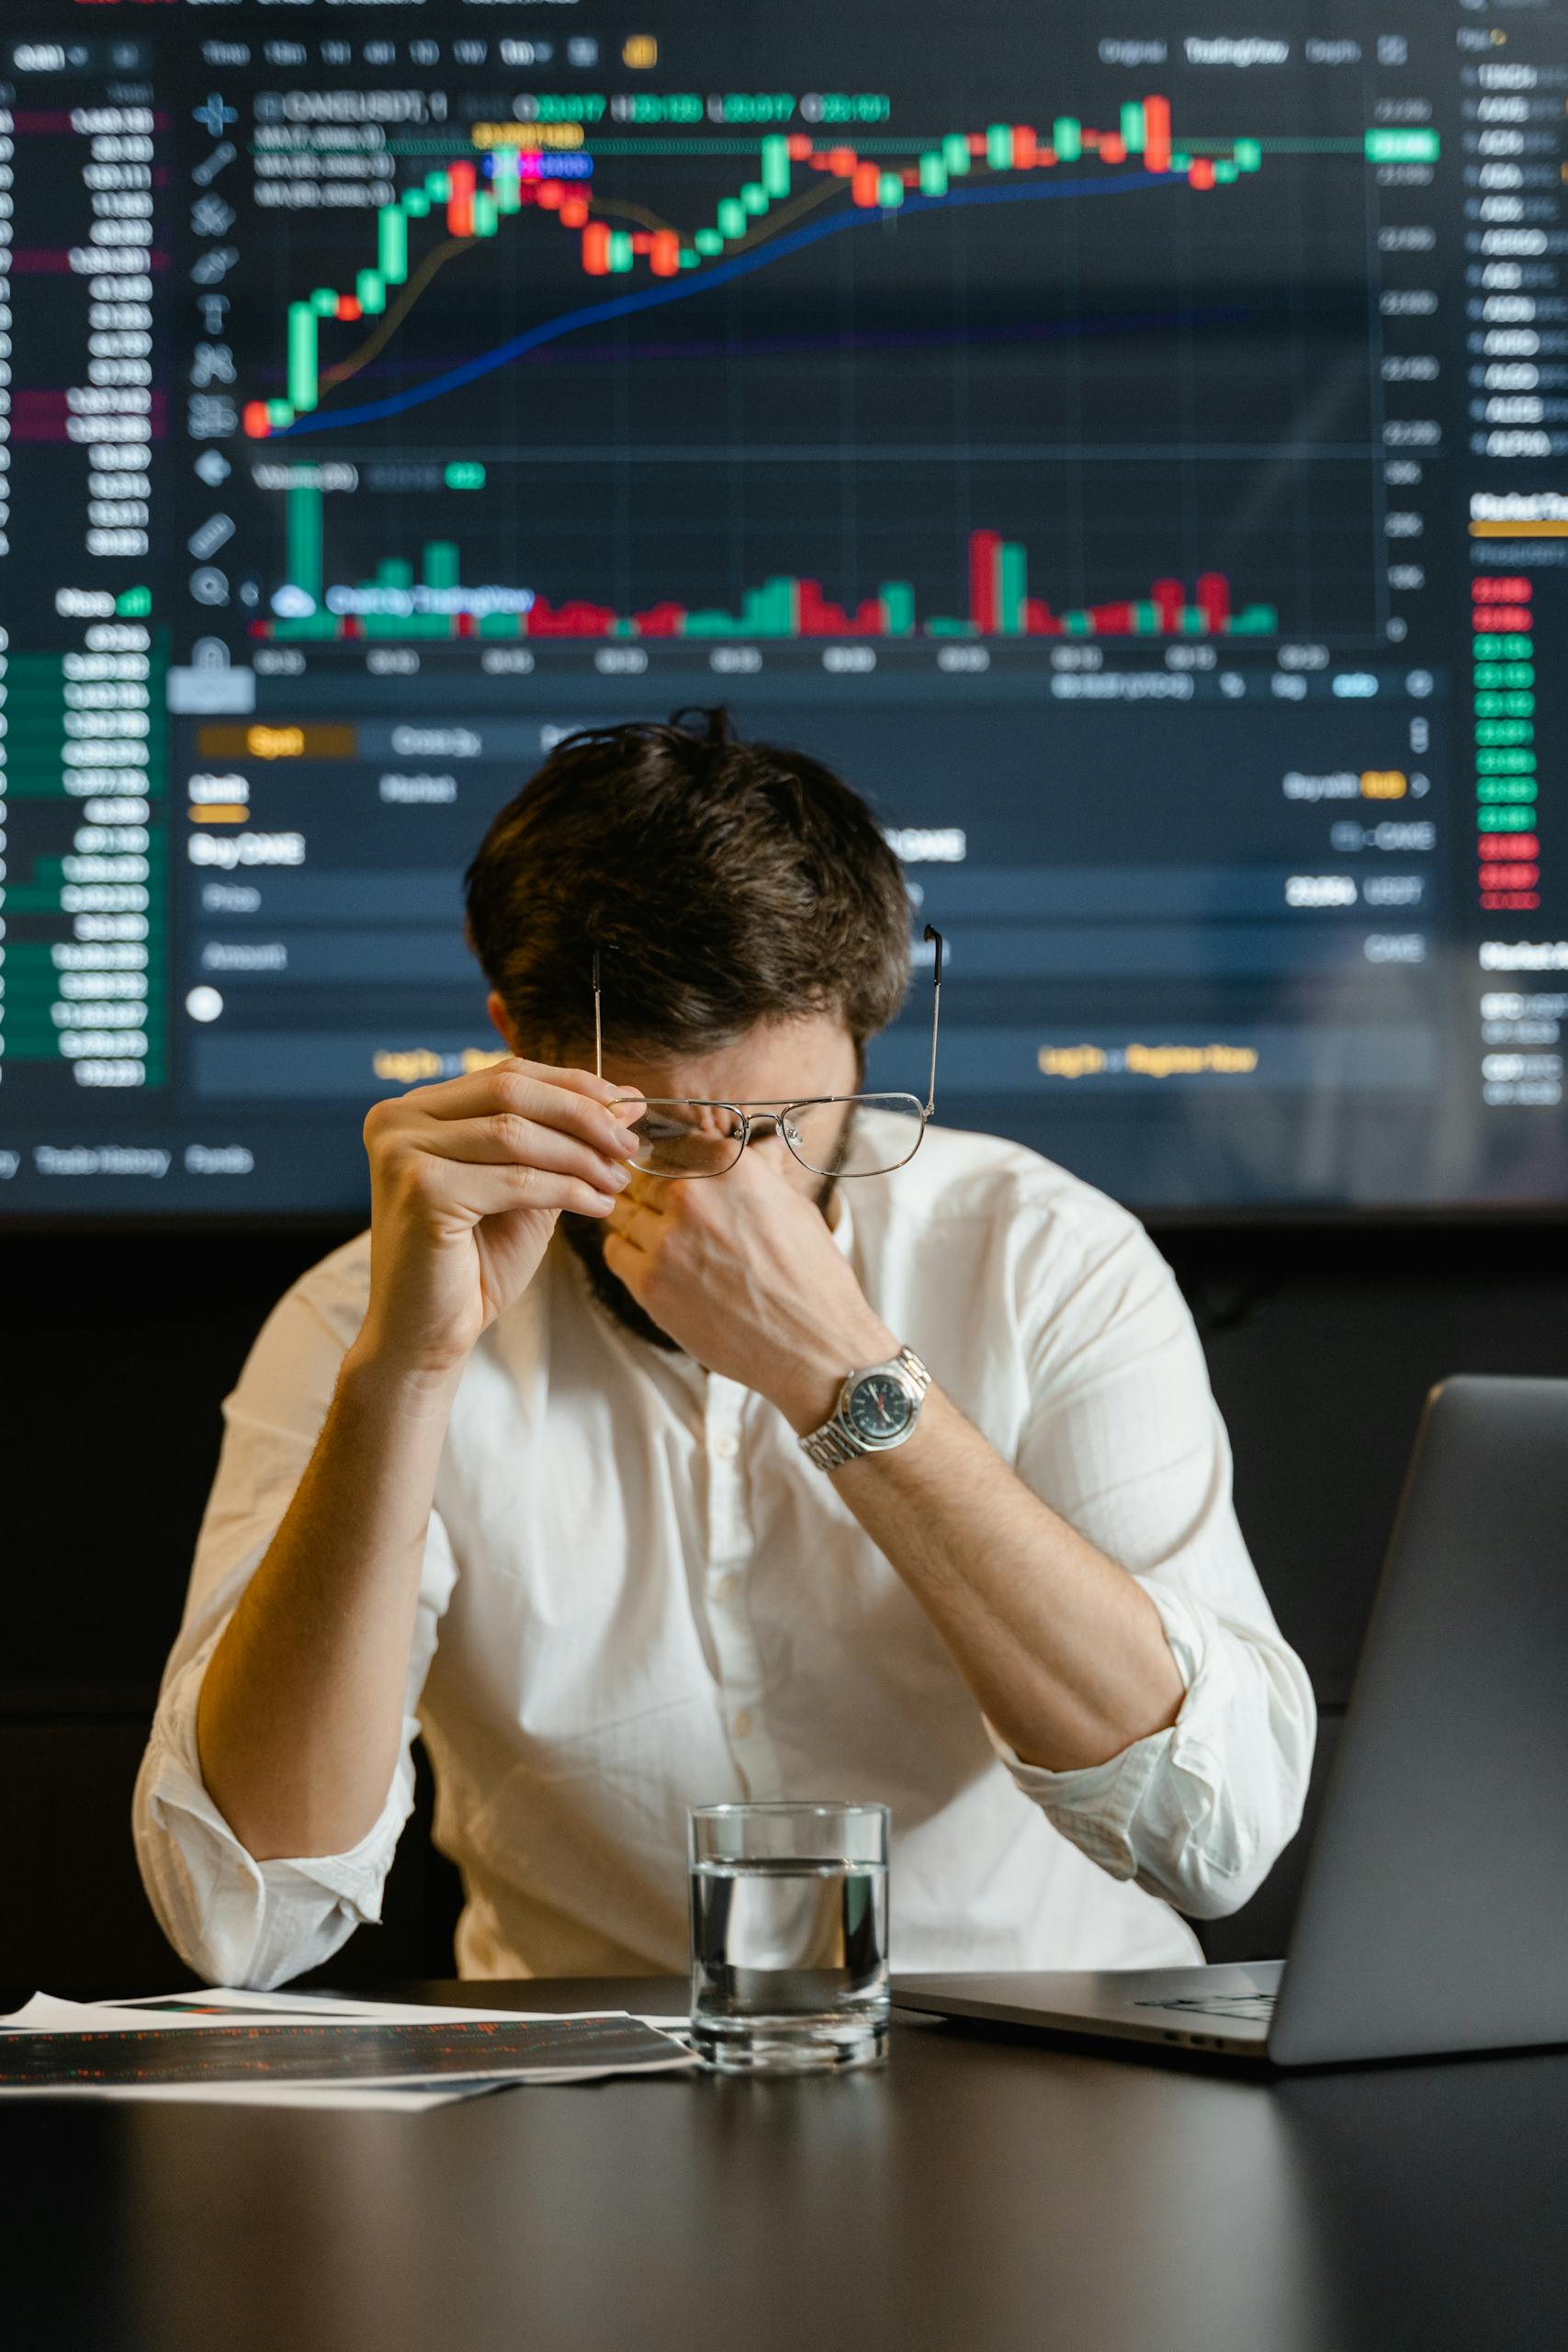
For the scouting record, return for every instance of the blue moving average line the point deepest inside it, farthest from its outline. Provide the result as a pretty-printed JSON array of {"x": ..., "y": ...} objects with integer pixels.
[{"x": 722, "y": 273}]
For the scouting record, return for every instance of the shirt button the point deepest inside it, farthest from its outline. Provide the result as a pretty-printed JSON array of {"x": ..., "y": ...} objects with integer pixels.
[
  {"x": 743, "y": 1722},
  {"x": 726, "y": 1446},
  {"x": 728, "y": 1586}
]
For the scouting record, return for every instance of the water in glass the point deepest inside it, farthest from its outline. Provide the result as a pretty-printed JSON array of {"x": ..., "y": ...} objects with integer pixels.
[{"x": 789, "y": 1955}]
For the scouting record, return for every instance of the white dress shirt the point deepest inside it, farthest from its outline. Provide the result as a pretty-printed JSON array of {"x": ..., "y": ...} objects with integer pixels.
[{"x": 639, "y": 1595}]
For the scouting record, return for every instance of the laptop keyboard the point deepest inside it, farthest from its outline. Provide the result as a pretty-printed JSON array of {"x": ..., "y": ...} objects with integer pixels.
[{"x": 1220, "y": 2005}]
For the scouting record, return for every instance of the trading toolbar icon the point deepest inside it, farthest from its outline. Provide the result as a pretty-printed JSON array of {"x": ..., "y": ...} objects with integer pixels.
[
  {"x": 210, "y": 417},
  {"x": 212, "y": 363},
  {"x": 218, "y": 160},
  {"x": 210, "y": 536},
  {"x": 213, "y": 115}
]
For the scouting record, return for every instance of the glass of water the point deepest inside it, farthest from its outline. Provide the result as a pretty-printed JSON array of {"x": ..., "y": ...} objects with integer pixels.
[{"x": 789, "y": 1935}]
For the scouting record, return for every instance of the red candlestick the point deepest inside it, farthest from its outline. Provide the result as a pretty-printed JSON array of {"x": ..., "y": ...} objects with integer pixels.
[{"x": 460, "y": 199}]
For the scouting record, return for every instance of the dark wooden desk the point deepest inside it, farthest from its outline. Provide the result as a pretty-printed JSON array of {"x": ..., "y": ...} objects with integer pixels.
[{"x": 976, "y": 2195}]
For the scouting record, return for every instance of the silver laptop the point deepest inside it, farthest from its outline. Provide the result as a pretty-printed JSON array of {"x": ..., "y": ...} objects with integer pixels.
[{"x": 1435, "y": 1911}]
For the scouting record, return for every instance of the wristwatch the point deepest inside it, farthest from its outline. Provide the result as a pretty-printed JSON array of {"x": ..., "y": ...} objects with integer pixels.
[{"x": 877, "y": 1409}]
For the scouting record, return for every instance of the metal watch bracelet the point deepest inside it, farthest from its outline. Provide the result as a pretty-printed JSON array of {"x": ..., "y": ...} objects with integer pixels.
[{"x": 835, "y": 1443}]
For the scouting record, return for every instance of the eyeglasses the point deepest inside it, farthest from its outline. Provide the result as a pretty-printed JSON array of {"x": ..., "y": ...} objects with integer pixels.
[{"x": 833, "y": 1135}]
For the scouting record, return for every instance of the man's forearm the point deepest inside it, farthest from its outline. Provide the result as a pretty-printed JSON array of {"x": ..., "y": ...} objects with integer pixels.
[
  {"x": 1064, "y": 1650},
  {"x": 299, "y": 1722}
]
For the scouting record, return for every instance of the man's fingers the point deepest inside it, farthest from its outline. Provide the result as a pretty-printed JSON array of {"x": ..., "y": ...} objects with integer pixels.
[
  {"x": 555, "y": 1099},
  {"x": 630, "y": 1222},
  {"x": 654, "y": 1193},
  {"x": 481, "y": 1192},
  {"x": 525, "y": 1092},
  {"x": 505, "y": 1139},
  {"x": 581, "y": 1081},
  {"x": 623, "y": 1258}
]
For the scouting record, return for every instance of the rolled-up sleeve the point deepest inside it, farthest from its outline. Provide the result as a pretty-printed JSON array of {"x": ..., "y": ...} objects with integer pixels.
[
  {"x": 232, "y": 1919},
  {"x": 1125, "y": 1441}
]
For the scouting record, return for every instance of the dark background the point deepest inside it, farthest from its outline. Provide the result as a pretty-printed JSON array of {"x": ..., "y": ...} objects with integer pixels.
[{"x": 1322, "y": 1343}]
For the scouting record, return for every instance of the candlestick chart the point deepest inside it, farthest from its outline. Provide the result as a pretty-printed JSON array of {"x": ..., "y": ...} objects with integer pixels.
[{"x": 1007, "y": 378}]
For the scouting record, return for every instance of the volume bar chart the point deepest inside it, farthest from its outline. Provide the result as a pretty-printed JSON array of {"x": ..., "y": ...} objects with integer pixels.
[{"x": 393, "y": 604}]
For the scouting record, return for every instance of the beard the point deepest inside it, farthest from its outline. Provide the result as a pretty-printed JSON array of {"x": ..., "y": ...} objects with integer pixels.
[{"x": 584, "y": 1237}]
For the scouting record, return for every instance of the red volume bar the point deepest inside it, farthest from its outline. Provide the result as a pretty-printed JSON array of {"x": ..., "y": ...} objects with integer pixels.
[
  {"x": 983, "y": 547},
  {"x": 1168, "y": 596},
  {"x": 1213, "y": 601}
]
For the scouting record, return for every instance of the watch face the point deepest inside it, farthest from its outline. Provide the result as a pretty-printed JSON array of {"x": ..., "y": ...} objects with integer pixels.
[{"x": 879, "y": 1407}]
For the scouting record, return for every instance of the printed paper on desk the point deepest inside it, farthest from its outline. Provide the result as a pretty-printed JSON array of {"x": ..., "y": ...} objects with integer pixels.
[{"x": 65, "y": 2049}]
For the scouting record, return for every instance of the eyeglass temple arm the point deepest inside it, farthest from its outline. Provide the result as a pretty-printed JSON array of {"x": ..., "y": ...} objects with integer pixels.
[
  {"x": 598, "y": 1033},
  {"x": 935, "y": 937}
]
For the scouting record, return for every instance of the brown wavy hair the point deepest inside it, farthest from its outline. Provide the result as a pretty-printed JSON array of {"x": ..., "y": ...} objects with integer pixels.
[{"x": 722, "y": 883}]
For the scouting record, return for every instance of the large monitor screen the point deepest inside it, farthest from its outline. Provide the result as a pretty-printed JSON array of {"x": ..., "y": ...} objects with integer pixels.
[{"x": 1131, "y": 445}]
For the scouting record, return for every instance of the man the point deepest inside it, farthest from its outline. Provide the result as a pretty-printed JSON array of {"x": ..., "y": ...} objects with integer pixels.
[{"x": 523, "y": 1469}]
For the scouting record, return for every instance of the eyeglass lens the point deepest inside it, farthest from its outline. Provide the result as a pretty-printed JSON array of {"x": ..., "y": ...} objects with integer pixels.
[{"x": 864, "y": 1136}]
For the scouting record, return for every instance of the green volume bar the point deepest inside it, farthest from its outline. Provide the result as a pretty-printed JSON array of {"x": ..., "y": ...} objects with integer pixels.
[
  {"x": 771, "y": 610},
  {"x": 1011, "y": 588},
  {"x": 898, "y": 607},
  {"x": 406, "y": 624},
  {"x": 304, "y": 536},
  {"x": 302, "y": 385},
  {"x": 439, "y": 563},
  {"x": 392, "y": 243}
]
